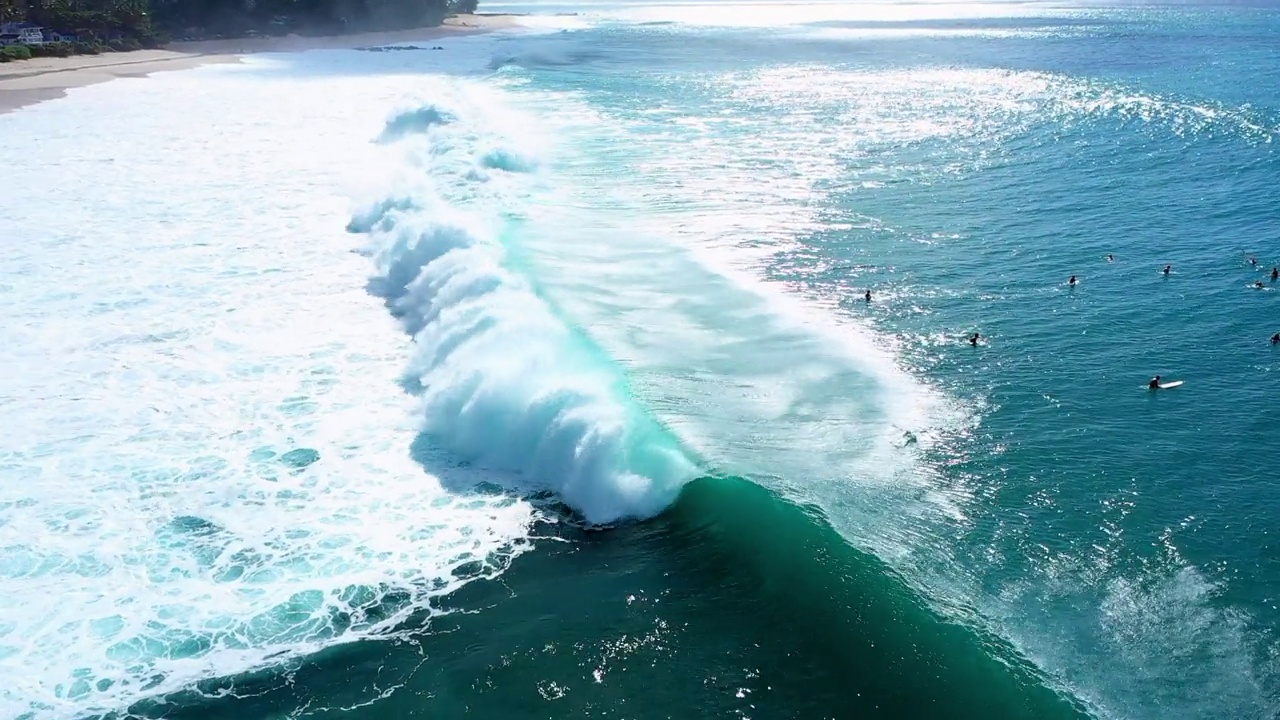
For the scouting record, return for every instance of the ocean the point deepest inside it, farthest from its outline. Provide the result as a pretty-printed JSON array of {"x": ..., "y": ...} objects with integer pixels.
[{"x": 535, "y": 376}]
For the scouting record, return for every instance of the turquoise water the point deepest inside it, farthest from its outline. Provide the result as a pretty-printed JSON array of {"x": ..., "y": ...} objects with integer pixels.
[{"x": 535, "y": 379}]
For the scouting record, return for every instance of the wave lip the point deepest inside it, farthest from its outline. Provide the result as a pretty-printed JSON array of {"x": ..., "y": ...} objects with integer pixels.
[{"x": 504, "y": 382}]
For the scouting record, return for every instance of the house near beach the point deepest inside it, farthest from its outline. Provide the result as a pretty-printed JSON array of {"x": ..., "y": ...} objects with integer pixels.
[{"x": 21, "y": 34}]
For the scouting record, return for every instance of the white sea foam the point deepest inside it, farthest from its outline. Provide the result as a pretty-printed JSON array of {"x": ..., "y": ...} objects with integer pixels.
[
  {"x": 206, "y": 456},
  {"x": 504, "y": 382}
]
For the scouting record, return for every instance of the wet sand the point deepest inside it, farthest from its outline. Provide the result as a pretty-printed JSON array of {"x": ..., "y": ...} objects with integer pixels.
[{"x": 27, "y": 82}]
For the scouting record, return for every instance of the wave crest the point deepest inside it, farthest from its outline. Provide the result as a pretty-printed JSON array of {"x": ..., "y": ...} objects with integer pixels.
[{"x": 505, "y": 383}]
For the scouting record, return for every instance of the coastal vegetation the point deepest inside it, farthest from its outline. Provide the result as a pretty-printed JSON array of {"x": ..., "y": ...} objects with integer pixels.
[{"x": 94, "y": 26}]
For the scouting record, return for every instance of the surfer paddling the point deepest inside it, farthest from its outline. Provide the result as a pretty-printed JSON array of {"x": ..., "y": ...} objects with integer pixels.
[
  {"x": 1072, "y": 281},
  {"x": 1275, "y": 339},
  {"x": 973, "y": 340},
  {"x": 1154, "y": 384}
]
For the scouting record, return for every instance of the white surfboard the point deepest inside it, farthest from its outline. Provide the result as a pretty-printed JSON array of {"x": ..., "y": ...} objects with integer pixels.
[{"x": 1167, "y": 386}]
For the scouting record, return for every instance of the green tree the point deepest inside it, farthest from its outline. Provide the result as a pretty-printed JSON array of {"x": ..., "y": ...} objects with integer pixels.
[
  {"x": 12, "y": 10},
  {"x": 143, "y": 21}
]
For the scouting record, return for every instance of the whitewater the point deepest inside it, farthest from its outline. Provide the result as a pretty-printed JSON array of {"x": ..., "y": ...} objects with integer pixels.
[
  {"x": 221, "y": 468},
  {"x": 206, "y": 448},
  {"x": 520, "y": 376}
]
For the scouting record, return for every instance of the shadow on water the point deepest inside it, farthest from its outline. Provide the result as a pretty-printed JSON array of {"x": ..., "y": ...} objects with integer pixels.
[
  {"x": 459, "y": 476},
  {"x": 732, "y": 603}
]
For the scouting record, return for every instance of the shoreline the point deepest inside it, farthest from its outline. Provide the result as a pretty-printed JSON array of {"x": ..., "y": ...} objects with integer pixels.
[{"x": 28, "y": 82}]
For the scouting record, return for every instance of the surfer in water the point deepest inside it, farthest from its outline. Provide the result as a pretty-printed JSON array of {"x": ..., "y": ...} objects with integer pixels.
[
  {"x": 1168, "y": 269},
  {"x": 974, "y": 340},
  {"x": 867, "y": 296},
  {"x": 1111, "y": 258},
  {"x": 1258, "y": 284},
  {"x": 1154, "y": 384},
  {"x": 1275, "y": 274},
  {"x": 1275, "y": 339},
  {"x": 1072, "y": 281}
]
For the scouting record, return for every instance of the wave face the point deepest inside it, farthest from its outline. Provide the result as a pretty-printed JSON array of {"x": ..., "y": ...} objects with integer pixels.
[
  {"x": 956, "y": 175},
  {"x": 505, "y": 384}
]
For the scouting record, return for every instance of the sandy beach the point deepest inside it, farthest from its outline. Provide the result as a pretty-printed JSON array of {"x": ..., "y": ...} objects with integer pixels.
[{"x": 31, "y": 81}]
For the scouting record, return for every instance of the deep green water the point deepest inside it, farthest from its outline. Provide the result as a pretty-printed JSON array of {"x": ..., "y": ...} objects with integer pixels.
[{"x": 694, "y": 614}]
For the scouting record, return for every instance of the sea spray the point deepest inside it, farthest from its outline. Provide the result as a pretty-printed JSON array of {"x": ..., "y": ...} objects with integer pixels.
[
  {"x": 505, "y": 383},
  {"x": 206, "y": 473}
]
